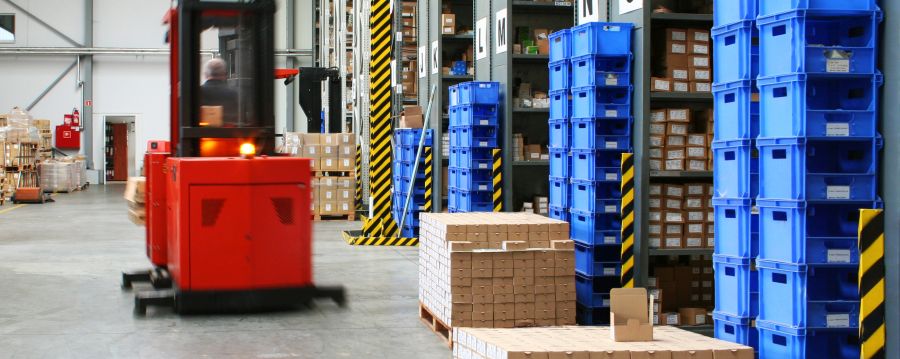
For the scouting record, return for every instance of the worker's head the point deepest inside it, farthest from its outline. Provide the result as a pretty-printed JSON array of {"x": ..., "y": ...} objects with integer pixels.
[{"x": 215, "y": 69}]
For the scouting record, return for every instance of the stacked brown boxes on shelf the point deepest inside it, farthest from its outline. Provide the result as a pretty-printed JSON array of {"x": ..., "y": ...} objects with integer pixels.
[
  {"x": 687, "y": 62},
  {"x": 523, "y": 151},
  {"x": 500, "y": 271},
  {"x": 680, "y": 139},
  {"x": 683, "y": 291},
  {"x": 409, "y": 51},
  {"x": 680, "y": 216},
  {"x": 333, "y": 158}
]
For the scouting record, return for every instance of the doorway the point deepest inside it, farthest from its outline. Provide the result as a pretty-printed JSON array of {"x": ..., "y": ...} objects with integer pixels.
[{"x": 119, "y": 145}]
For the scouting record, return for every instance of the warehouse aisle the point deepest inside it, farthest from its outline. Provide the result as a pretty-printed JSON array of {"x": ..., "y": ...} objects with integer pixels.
[{"x": 60, "y": 267}]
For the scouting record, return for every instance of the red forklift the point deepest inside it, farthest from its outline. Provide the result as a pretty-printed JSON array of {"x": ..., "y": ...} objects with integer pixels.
[{"x": 228, "y": 221}]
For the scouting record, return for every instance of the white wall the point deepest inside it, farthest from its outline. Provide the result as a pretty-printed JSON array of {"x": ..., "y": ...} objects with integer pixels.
[{"x": 123, "y": 85}]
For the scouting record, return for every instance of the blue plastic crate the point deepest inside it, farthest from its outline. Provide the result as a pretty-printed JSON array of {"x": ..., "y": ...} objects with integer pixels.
[
  {"x": 591, "y": 316},
  {"x": 797, "y": 42},
  {"x": 799, "y": 105},
  {"x": 729, "y": 12},
  {"x": 559, "y": 134},
  {"x": 601, "y": 38},
  {"x": 560, "y": 213},
  {"x": 832, "y": 7},
  {"x": 472, "y": 158},
  {"x": 559, "y": 192},
  {"x": 453, "y": 177},
  {"x": 406, "y": 170},
  {"x": 734, "y": 111},
  {"x": 582, "y": 202},
  {"x": 592, "y": 227},
  {"x": 601, "y": 71},
  {"x": 452, "y": 199},
  {"x": 800, "y": 296},
  {"x": 595, "y": 237},
  {"x": 453, "y": 95},
  {"x": 737, "y": 286},
  {"x": 474, "y": 180},
  {"x": 474, "y": 201},
  {"x": 737, "y": 52},
  {"x": 411, "y": 136},
  {"x": 809, "y": 169},
  {"x": 778, "y": 341},
  {"x": 560, "y": 162},
  {"x": 598, "y": 261},
  {"x": 474, "y": 136},
  {"x": 402, "y": 185},
  {"x": 601, "y": 102},
  {"x": 560, "y": 105},
  {"x": 817, "y": 233},
  {"x": 597, "y": 165},
  {"x": 593, "y": 292},
  {"x": 734, "y": 162},
  {"x": 735, "y": 329},
  {"x": 559, "y": 75},
  {"x": 597, "y": 189},
  {"x": 560, "y": 45},
  {"x": 735, "y": 227},
  {"x": 409, "y": 232},
  {"x": 593, "y": 134},
  {"x": 473, "y": 115},
  {"x": 479, "y": 93}
]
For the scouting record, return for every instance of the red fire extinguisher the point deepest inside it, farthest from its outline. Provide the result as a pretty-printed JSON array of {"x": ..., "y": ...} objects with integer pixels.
[{"x": 76, "y": 118}]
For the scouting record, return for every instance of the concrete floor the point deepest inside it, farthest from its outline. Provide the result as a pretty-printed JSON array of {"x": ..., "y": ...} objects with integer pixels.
[{"x": 60, "y": 266}]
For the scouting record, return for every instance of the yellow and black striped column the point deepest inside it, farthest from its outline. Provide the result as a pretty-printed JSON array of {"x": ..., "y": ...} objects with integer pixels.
[
  {"x": 359, "y": 191},
  {"x": 871, "y": 283},
  {"x": 429, "y": 181},
  {"x": 497, "y": 176},
  {"x": 627, "y": 220},
  {"x": 380, "y": 126}
]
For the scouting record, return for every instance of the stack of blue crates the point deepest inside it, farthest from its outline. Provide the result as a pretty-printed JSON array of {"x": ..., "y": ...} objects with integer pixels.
[
  {"x": 560, "y": 123},
  {"x": 406, "y": 146},
  {"x": 818, "y": 148},
  {"x": 596, "y": 134},
  {"x": 474, "y": 134},
  {"x": 735, "y": 170}
]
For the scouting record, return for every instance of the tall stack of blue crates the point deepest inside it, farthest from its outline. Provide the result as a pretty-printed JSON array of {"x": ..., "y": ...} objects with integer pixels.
[
  {"x": 818, "y": 148},
  {"x": 406, "y": 146},
  {"x": 560, "y": 123},
  {"x": 474, "y": 133},
  {"x": 600, "y": 125},
  {"x": 735, "y": 169}
]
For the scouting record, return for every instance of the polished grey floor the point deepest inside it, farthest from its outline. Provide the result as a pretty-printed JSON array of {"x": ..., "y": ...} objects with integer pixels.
[{"x": 60, "y": 267}]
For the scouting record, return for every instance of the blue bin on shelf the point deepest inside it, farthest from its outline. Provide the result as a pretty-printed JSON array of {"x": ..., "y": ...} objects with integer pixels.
[
  {"x": 735, "y": 329},
  {"x": 560, "y": 45},
  {"x": 601, "y": 71},
  {"x": 598, "y": 260},
  {"x": 586, "y": 227},
  {"x": 601, "y": 38},
  {"x": 733, "y": 163},
  {"x": 473, "y": 115},
  {"x": 730, "y": 12},
  {"x": 735, "y": 225},
  {"x": 737, "y": 286},
  {"x": 474, "y": 201},
  {"x": 560, "y": 105},
  {"x": 559, "y": 192},
  {"x": 559, "y": 133},
  {"x": 736, "y": 114},
  {"x": 479, "y": 93},
  {"x": 816, "y": 169},
  {"x": 560, "y": 213},
  {"x": 830, "y": 7},
  {"x": 592, "y": 134},
  {"x": 737, "y": 52},
  {"x": 779, "y": 341},
  {"x": 601, "y": 102},
  {"x": 800, "y": 296},
  {"x": 594, "y": 291},
  {"x": 597, "y": 165},
  {"x": 801, "y": 42},
  {"x": 474, "y": 136},
  {"x": 474, "y": 180},
  {"x": 800, "y": 105},
  {"x": 810, "y": 233},
  {"x": 472, "y": 158},
  {"x": 560, "y": 163},
  {"x": 559, "y": 75}
]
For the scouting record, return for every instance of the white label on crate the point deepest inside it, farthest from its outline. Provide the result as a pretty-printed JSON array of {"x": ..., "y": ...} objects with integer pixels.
[
  {"x": 612, "y": 177},
  {"x": 609, "y": 240},
  {"x": 485, "y": 122},
  {"x": 609, "y": 271},
  {"x": 838, "y": 256},
  {"x": 837, "y": 65},
  {"x": 610, "y": 208},
  {"x": 837, "y": 192},
  {"x": 483, "y": 143},
  {"x": 612, "y": 145},
  {"x": 482, "y": 187},
  {"x": 500, "y": 34},
  {"x": 482, "y": 165},
  {"x": 481, "y": 45},
  {"x": 837, "y": 320},
  {"x": 612, "y": 113},
  {"x": 837, "y": 129},
  {"x": 612, "y": 80}
]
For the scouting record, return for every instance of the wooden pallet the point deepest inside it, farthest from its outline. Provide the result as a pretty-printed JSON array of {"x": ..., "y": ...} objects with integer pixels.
[
  {"x": 334, "y": 217},
  {"x": 436, "y": 325}
]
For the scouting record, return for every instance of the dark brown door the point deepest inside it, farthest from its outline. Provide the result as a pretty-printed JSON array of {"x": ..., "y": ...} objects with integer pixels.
[{"x": 120, "y": 152}]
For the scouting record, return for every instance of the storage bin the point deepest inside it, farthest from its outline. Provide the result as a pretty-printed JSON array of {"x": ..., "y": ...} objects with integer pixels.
[
  {"x": 559, "y": 134},
  {"x": 472, "y": 158},
  {"x": 593, "y": 134},
  {"x": 452, "y": 199},
  {"x": 474, "y": 136},
  {"x": 735, "y": 329},
  {"x": 560, "y": 45},
  {"x": 591, "y": 316},
  {"x": 601, "y": 38},
  {"x": 831, "y": 7},
  {"x": 729, "y": 12},
  {"x": 601, "y": 102},
  {"x": 453, "y": 177},
  {"x": 598, "y": 260},
  {"x": 559, "y": 75},
  {"x": 601, "y": 71},
  {"x": 407, "y": 168},
  {"x": 479, "y": 93},
  {"x": 560, "y": 213},
  {"x": 737, "y": 286},
  {"x": 560, "y": 105},
  {"x": 800, "y": 105},
  {"x": 593, "y": 227},
  {"x": 474, "y": 201},
  {"x": 811, "y": 233},
  {"x": 473, "y": 115},
  {"x": 778, "y": 341},
  {"x": 559, "y": 163},
  {"x": 409, "y": 137},
  {"x": 736, "y": 114},
  {"x": 734, "y": 162},
  {"x": 402, "y": 184},
  {"x": 799, "y": 296},
  {"x": 801, "y": 42},
  {"x": 736, "y": 49},
  {"x": 818, "y": 169},
  {"x": 581, "y": 202},
  {"x": 453, "y": 95},
  {"x": 594, "y": 291},
  {"x": 474, "y": 180},
  {"x": 559, "y": 192},
  {"x": 596, "y": 165},
  {"x": 735, "y": 225}
]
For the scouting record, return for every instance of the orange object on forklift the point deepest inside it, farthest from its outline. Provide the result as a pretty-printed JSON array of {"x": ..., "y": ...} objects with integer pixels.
[{"x": 155, "y": 167}]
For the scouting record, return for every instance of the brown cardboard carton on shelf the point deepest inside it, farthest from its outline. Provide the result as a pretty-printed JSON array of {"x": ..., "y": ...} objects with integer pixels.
[
  {"x": 675, "y": 34},
  {"x": 411, "y": 117},
  {"x": 701, "y": 86},
  {"x": 532, "y": 152},
  {"x": 676, "y": 48},
  {"x": 310, "y": 138},
  {"x": 681, "y": 86},
  {"x": 542, "y": 40},
  {"x": 699, "y": 74},
  {"x": 330, "y": 151},
  {"x": 658, "y": 115},
  {"x": 698, "y": 61},
  {"x": 675, "y": 140},
  {"x": 448, "y": 24},
  {"x": 696, "y": 152},
  {"x": 698, "y": 48},
  {"x": 677, "y": 60},
  {"x": 698, "y": 35},
  {"x": 670, "y": 318},
  {"x": 679, "y": 74},
  {"x": 660, "y": 84},
  {"x": 679, "y": 115},
  {"x": 692, "y": 316},
  {"x": 629, "y": 315}
]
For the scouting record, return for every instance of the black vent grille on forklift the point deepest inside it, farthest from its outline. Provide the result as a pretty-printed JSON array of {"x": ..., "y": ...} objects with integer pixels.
[
  {"x": 210, "y": 211},
  {"x": 284, "y": 208}
]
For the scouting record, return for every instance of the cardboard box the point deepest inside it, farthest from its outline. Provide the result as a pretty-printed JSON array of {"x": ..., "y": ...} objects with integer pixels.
[
  {"x": 660, "y": 84},
  {"x": 675, "y": 141},
  {"x": 701, "y": 87},
  {"x": 698, "y": 48},
  {"x": 658, "y": 115},
  {"x": 679, "y": 115},
  {"x": 675, "y": 34},
  {"x": 698, "y": 35},
  {"x": 698, "y": 61},
  {"x": 692, "y": 316},
  {"x": 694, "y": 152},
  {"x": 699, "y": 74},
  {"x": 676, "y": 73},
  {"x": 676, "y": 48},
  {"x": 670, "y": 318},
  {"x": 677, "y": 61},
  {"x": 448, "y": 24},
  {"x": 630, "y": 315},
  {"x": 412, "y": 117},
  {"x": 681, "y": 86}
]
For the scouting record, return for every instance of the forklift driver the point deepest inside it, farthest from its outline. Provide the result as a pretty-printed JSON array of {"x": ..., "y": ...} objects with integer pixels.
[{"x": 215, "y": 92}]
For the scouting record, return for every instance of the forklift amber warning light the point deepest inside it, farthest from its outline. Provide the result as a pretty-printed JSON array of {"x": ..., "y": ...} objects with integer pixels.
[{"x": 248, "y": 150}]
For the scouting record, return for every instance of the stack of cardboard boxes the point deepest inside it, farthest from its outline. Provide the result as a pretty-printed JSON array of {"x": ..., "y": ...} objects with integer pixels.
[
  {"x": 528, "y": 152},
  {"x": 409, "y": 51},
  {"x": 686, "y": 62},
  {"x": 683, "y": 292},
  {"x": 333, "y": 162},
  {"x": 536, "y": 42},
  {"x": 680, "y": 139},
  {"x": 500, "y": 271},
  {"x": 135, "y": 195},
  {"x": 681, "y": 216}
]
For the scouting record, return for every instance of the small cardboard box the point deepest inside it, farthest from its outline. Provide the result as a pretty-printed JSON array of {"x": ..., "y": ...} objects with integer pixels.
[
  {"x": 448, "y": 24},
  {"x": 692, "y": 316},
  {"x": 412, "y": 117},
  {"x": 701, "y": 86},
  {"x": 630, "y": 315},
  {"x": 682, "y": 74},
  {"x": 660, "y": 84},
  {"x": 681, "y": 86},
  {"x": 674, "y": 34},
  {"x": 676, "y": 48},
  {"x": 698, "y": 61},
  {"x": 679, "y": 115},
  {"x": 698, "y": 35},
  {"x": 698, "y": 48}
]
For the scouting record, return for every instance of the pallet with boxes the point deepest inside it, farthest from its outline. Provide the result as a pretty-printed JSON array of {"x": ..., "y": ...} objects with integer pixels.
[
  {"x": 474, "y": 135},
  {"x": 333, "y": 164}
]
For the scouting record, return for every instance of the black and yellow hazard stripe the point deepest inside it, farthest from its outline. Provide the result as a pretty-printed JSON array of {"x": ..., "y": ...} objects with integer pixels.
[
  {"x": 380, "y": 125},
  {"x": 429, "y": 180},
  {"x": 359, "y": 191},
  {"x": 383, "y": 241},
  {"x": 627, "y": 220},
  {"x": 497, "y": 176},
  {"x": 871, "y": 283}
]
